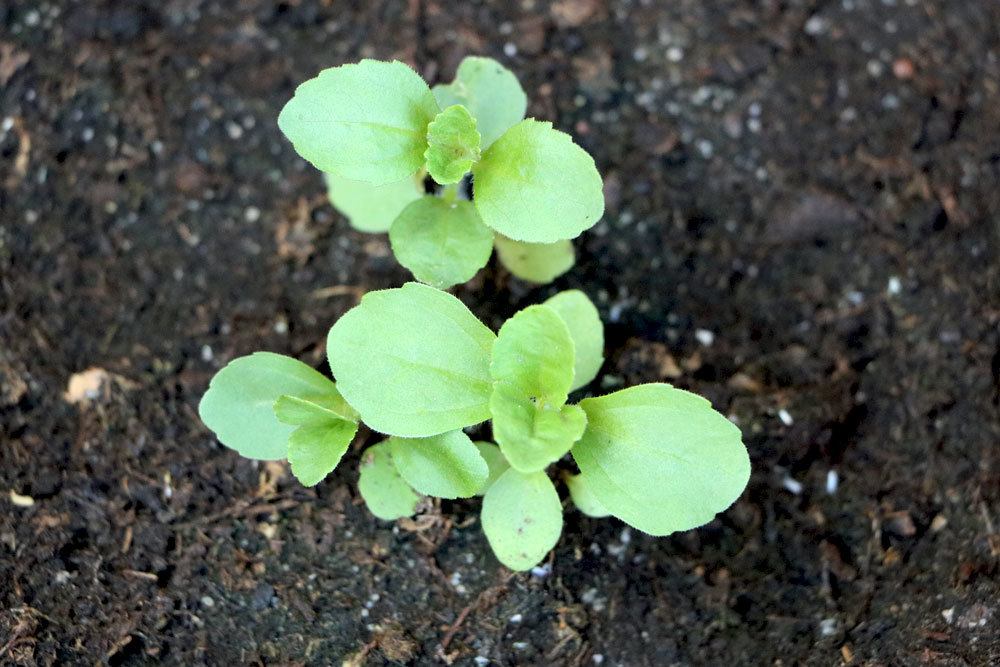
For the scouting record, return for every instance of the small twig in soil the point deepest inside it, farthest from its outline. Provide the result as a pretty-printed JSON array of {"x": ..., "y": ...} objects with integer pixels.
[{"x": 483, "y": 601}]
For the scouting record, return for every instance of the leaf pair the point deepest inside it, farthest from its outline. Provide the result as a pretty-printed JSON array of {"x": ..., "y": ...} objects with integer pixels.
[
  {"x": 375, "y": 127},
  {"x": 268, "y": 406}
]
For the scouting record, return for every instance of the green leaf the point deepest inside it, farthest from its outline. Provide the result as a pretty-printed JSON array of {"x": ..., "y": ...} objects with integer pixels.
[
  {"x": 372, "y": 208},
  {"x": 385, "y": 492},
  {"x": 365, "y": 121},
  {"x": 534, "y": 184},
  {"x": 489, "y": 91},
  {"x": 583, "y": 498},
  {"x": 413, "y": 361},
  {"x": 661, "y": 459},
  {"x": 522, "y": 518},
  {"x": 444, "y": 466},
  {"x": 535, "y": 262},
  {"x": 452, "y": 144},
  {"x": 442, "y": 243},
  {"x": 532, "y": 369},
  {"x": 587, "y": 331},
  {"x": 495, "y": 460},
  {"x": 531, "y": 437},
  {"x": 326, "y": 426},
  {"x": 238, "y": 405},
  {"x": 314, "y": 450}
]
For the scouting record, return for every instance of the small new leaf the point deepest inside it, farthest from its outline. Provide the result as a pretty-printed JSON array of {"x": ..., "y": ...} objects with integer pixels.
[
  {"x": 495, "y": 460},
  {"x": 326, "y": 426},
  {"x": 444, "y": 466},
  {"x": 413, "y": 361},
  {"x": 661, "y": 459},
  {"x": 532, "y": 369},
  {"x": 385, "y": 492},
  {"x": 583, "y": 498},
  {"x": 372, "y": 208},
  {"x": 491, "y": 93},
  {"x": 239, "y": 403},
  {"x": 585, "y": 327},
  {"x": 442, "y": 243},
  {"x": 534, "y": 184},
  {"x": 535, "y": 262},
  {"x": 522, "y": 518},
  {"x": 365, "y": 121},
  {"x": 452, "y": 145}
]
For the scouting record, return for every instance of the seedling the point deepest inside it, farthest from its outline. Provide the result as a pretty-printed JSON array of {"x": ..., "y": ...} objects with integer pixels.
[
  {"x": 377, "y": 131},
  {"x": 415, "y": 364}
]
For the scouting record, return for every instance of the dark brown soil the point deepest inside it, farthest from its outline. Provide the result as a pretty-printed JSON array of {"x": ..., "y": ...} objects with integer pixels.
[{"x": 803, "y": 224}]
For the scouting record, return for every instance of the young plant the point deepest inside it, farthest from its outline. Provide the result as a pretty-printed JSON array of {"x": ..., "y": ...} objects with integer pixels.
[
  {"x": 377, "y": 130},
  {"x": 415, "y": 364}
]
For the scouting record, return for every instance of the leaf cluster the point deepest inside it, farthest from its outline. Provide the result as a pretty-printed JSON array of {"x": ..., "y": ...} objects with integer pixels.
[
  {"x": 415, "y": 364},
  {"x": 377, "y": 130}
]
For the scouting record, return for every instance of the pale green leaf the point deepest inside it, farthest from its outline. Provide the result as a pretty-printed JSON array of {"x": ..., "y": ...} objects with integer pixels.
[
  {"x": 535, "y": 262},
  {"x": 315, "y": 449},
  {"x": 313, "y": 409},
  {"x": 452, "y": 145},
  {"x": 372, "y": 208},
  {"x": 586, "y": 329},
  {"x": 443, "y": 466},
  {"x": 442, "y": 243},
  {"x": 522, "y": 518},
  {"x": 239, "y": 403},
  {"x": 495, "y": 460},
  {"x": 661, "y": 459},
  {"x": 365, "y": 121},
  {"x": 532, "y": 369},
  {"x": 532, "y": 436},
  {"x": 385, "y": 492},
  {"x": 490, "y": 91},
  {"x": 534, "y": 184},
  {"x": 413, "y": 361},
  {"x": 583, "y": 498}
]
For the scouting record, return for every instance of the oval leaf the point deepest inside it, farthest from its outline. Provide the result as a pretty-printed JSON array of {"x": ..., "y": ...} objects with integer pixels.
[
  {"x": 372, "y": 208},
  {"x": 385, "y": 492},
  {"x": 535, "y": 262},
  {"x": 452, "y": 145},
  {"x": 495, "y": 460},
  {"x": 444, "y": 466},
  {"x": 534, "y": 184},
  {"x": 239, "y": 403},
  {"x": 365, "y": 121},
  {"x": 442, "y": 243},
  {"x": 522, "y": 518},
  {"x": 585, "y": 327},
  {"x": 314, "y": 450},
  {"x": 491, "y": 93},
  {"x": 413, "y": 361},
  {"x": 661, "y": 459}
]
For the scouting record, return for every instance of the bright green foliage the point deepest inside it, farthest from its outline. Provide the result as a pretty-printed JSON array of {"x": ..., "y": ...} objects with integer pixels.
[
  {"x": 372, "y": 208},
  {"x": 660, "y": 458},
  {"x": 583, "y": 498},
  {"x": 584, "y": 324},
  {"x": 365, "y": 121},
  {"x": 522, "y": 518},
  {"x": 413, "y": 361},
  {"x": 442, "y": 243},
  {"x": 385, "y": 492},
  {"x": 444, "y": 466},
  {"x": 452, "y": 145},
  {"x": 377, "y": 130},
  {"x": 495, "y": 460},
  {"x": 326, "y": 426},
  {"x": 239, "y": 403},
  {"x": 490, "y": 91},
  {"x": 535, "y": 262},
  {"x": 534, "y": 184}
]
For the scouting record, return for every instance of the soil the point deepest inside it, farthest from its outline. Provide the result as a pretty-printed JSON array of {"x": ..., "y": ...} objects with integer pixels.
[{"x": 803, "y": 224}]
